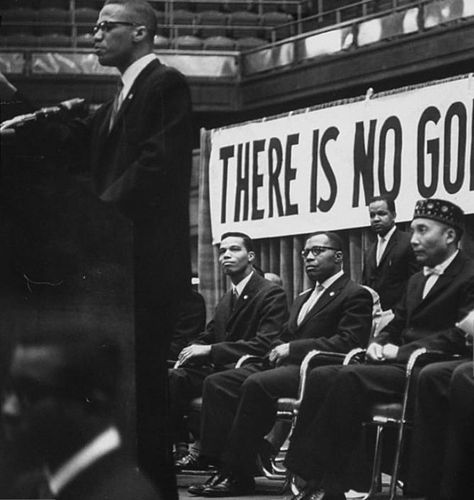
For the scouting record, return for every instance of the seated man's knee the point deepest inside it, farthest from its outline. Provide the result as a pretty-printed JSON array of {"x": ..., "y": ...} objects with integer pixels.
[
  {"x": 213, "y": 383},
  {"x": 252, "y": 384},
  {"x": 427, "y": 379}
]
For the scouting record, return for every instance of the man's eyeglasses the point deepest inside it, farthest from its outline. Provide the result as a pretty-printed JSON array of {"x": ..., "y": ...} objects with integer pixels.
[
  {"x": 106, "y": 26},
  {"x": 315, "y": 251}
]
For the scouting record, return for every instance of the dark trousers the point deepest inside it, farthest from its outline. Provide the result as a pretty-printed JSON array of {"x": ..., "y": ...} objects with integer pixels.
[
  {"x": 239, "y": 410},
  {"x": 326, "y": 443},
  {"x": 458, "y": 479},
  {"x": 442, "y": 395},
  {"x": 185, "y": 384}
]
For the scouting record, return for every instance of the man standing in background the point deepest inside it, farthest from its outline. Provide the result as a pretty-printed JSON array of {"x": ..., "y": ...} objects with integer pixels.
[{"x": 389, "y": 261}]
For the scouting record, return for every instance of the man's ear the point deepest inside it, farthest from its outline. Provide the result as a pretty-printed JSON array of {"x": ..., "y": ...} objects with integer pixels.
[
  {"x": 450, "y": 235},
  {"x": 338, "y": 256},
  {"x": 251, "y": 256},
  {"x": 140, "y": 33}
]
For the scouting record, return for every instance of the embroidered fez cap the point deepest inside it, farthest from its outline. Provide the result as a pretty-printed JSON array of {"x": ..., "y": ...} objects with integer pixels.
[{"x": 441, "y": 211}]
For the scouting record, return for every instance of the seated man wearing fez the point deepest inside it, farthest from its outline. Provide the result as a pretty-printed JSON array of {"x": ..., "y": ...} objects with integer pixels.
[
  {"x": 324, "y": 447},
  {"x": 247, "y": 320},
  {"x": 58, "y": 406},
  {"x": 389, "y": 261},
  {"x": 335, "y": 315}
]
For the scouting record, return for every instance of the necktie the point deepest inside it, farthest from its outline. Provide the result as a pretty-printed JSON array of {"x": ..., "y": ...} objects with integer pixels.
[
  {"x": 308, "y": 305},
  {"x": 116, "y": 104},
  {"x": 380, "y": 249},
  {"x": 234, "y": 298},
  {"x": 430, "y": 271},
  {"x": 432, "y": 274}
]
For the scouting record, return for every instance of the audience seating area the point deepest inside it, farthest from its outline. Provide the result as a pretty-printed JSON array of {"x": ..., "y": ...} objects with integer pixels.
[{"x": 192, "y": 25}]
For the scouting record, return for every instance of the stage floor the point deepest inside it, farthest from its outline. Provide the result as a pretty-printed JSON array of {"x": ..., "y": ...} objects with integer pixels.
[{"x": 266, "y": 490}]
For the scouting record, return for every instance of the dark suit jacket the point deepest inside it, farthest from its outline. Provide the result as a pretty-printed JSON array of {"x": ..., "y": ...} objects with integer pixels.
[
  {"x": 257, "y": 319},
  {"x": 113, "y": 477},
  {"x": 340, "y": 320},
  {"x": 429, "y": 322},
  {"x": 142, "y": 166},
  {"x": 190, "y": 323},
  {"x": 390, "y": 277}
]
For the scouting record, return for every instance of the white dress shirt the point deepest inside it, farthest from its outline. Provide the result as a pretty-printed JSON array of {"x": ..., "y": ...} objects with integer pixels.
[
  {"x": 239, "y": 288},
  {"x": 316, "y": 294},
  {"x": 382, "y": 242},
  {"x": 131, "y": 73},
  {"x": 435, "y": 272}
]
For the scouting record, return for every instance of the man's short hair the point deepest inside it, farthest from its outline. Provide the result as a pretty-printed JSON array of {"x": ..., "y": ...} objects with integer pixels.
[
  {"x": 248, "y": 243},
  {"x": 334, "y": 239},
  {"x": 90, "y": 364},
  {"x": 142, "y": 13},
  {"x": 389, "y": 200}
]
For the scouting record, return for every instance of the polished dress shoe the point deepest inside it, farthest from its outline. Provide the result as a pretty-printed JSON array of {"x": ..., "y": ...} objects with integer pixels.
[
  {"x": 229, "y": 486},
  {"x": 192, "y": 462},
  {"x": 198, "y": 488}
]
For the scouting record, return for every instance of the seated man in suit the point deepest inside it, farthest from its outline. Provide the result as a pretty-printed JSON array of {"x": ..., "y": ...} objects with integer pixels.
[
  {"x": 58, "y": 407},
  {"x": 440, "y": 466},
  {"x": 239, "y": 404},
  {"x": 324, "y": 447},
  {"x": 247, "y": 320},
  {"x": 442, "y": 449},
  {"x": 389, "y": 261}
]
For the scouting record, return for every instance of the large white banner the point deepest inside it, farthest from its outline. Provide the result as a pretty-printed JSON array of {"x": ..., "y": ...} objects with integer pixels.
[{"x": 316, "y": 170}]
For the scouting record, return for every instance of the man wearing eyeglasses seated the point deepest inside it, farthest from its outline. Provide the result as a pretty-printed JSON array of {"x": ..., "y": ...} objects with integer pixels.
[
  {"x": 335, "y": 315},
  {"x": 327, "y": 444}
]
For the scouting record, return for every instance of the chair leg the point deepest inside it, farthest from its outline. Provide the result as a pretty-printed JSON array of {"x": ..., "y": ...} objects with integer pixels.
[
  {"x": 396, "y": 462},
  {"x": 375, "y": 481}
]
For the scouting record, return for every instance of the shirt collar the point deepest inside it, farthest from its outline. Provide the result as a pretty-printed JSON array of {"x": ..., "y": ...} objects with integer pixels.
[
  {"x": 239, "y": 288},
  {"x": 444, "y": 265},
  {"x": 388, "y": 235},
  {"x": 104, "y": 443},
  {"x": 131, "y": 73},
  {"x": 332, "y": 279}
]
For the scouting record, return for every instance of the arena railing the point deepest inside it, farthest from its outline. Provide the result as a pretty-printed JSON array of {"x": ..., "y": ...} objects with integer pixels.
[
  {"x": 401, "y": 20},
  {"x": 327, "y": 41}
]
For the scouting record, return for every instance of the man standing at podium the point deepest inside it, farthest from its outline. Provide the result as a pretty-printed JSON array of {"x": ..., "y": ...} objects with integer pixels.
[{"x": 137, "y": 148}]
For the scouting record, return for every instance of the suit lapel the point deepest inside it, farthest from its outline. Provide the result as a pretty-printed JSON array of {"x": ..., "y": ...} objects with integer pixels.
[
  {"x": 391, "y": 243},
  {"x": 244, "y": 297},
  {"x": 453, "y": 270},
  {"x": 131, "y": 94},
  {"x": 328, "y": 296},
  {"x": 297, "y": 305}
]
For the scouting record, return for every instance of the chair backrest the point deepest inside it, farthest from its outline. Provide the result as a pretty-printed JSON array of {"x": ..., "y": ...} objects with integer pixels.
[
  {"x": 188, "y": 42},
  {"x": 219, "y": 43}
]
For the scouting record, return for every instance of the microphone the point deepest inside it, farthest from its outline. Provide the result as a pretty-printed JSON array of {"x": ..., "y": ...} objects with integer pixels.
[
  {"x": 65, "y": 107},
  {"x": 71, "y": 105}
]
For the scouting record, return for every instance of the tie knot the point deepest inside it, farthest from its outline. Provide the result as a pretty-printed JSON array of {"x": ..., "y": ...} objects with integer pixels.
[
  {"x": 432, "y": 271},
  {"x": 319, "y": 288}
]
